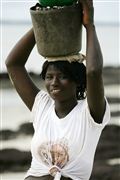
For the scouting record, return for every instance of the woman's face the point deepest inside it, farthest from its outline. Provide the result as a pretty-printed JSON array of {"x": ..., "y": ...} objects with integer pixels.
[{"x": 58, "y": 85}]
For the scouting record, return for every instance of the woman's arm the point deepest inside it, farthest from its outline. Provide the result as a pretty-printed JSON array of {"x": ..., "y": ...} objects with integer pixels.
[
  {"x": 94, "y": 65},
  {"x": 15, "y": 63}
]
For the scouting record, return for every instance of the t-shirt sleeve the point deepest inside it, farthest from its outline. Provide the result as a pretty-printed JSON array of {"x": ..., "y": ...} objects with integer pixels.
[
  {"x": 41, "y": 103},
  {"x": 106, "y": 117}
]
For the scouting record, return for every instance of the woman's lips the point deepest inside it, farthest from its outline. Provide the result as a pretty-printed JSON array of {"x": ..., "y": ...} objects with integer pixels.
[{"x": 55, "y": 91}]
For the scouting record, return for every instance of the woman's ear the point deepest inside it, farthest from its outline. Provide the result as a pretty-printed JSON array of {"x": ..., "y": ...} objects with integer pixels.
[{"x": 81, "y": 91}]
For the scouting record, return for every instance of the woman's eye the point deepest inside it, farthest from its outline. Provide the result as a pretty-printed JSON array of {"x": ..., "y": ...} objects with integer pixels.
[
  {"x": 63, "y": 77},
  {"x": 48, "y": 77}
]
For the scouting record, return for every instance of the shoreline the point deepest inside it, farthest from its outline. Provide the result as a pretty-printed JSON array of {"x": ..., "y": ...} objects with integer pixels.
[{"x": 111, "y": 75}]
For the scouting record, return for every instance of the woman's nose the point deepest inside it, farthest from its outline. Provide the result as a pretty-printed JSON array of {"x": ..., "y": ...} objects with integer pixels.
[{"x": 55, "y": 81}]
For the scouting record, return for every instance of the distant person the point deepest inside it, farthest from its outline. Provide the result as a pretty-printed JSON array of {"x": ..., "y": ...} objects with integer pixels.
[{"x": 70, "y": 116}]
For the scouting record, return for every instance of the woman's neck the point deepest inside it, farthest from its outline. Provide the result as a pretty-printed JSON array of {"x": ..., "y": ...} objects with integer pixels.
[{"x": 64, "y": 107}]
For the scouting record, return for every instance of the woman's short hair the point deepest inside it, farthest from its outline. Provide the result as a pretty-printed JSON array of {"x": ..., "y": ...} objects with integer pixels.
[{"x": 75, "y": 71}]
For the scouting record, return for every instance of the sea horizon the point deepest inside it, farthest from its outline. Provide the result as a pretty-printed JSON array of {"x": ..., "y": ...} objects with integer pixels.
[{"x": 12, "y": 31}]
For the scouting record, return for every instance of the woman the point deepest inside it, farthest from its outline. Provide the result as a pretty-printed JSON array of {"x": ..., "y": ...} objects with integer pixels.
[{"x": 67, "y": 125}]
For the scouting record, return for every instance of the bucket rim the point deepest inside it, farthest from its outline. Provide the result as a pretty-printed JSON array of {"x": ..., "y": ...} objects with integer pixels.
[{"x": 59, "y": 9}]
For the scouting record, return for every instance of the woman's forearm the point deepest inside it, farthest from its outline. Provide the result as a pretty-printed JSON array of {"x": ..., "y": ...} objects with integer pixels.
[
  {"x": 93, "y": 51},
  {"x": 20, "y": 53},
  {"x": 94, "y": 66}
]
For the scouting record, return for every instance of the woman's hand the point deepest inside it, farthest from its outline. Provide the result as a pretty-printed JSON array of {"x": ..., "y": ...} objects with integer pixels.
[{"x": 88, "y": 12}]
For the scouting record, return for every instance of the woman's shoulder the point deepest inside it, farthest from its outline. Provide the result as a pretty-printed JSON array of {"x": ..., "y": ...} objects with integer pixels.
[
  {"x": 42, "y": 99},
  {"x": 42, "y": 96}
]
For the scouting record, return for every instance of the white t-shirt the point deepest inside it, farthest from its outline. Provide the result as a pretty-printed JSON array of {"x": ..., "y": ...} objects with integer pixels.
[{"x": 67, "y": 143}]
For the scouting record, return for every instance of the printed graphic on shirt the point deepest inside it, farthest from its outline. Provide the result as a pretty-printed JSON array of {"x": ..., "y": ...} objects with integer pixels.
[{"x": 54, "y": 154}]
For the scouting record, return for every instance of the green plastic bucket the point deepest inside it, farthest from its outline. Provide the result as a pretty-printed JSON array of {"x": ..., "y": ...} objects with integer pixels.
[
  {"x": 52, "y": 3},
  {"x": 57, "y": 31}
]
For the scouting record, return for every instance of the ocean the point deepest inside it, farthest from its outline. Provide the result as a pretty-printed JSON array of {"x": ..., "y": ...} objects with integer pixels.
[
  {"x": 13, "y": 116},
  {"x": 108, "y": 35}
]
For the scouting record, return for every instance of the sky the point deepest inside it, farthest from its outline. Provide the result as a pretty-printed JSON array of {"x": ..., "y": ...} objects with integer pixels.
[{"x": 106, "y": 11}]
